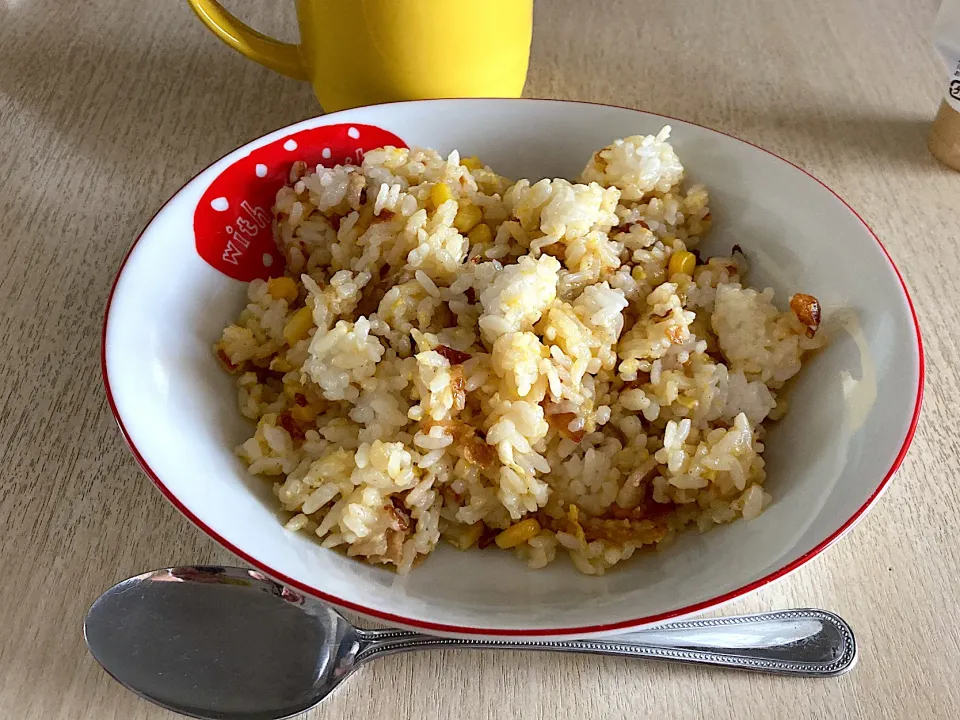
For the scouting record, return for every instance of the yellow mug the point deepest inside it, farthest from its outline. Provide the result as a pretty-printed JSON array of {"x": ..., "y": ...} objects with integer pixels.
[{"x": 361, "y": 52}]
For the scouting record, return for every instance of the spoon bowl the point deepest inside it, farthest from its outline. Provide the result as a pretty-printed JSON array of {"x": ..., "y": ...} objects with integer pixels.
[
  {"x": 230, "y": 643},
  {"x": 216, "y": 642}
]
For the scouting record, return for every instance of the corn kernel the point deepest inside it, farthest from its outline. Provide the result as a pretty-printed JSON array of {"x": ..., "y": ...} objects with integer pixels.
[
  {"x": 298, "y": 326},
  {"x": 518, "y": 533},
  {"x": 682, "y": 262},
  {"x": 281, "y": 364},
  {"x": 439, "y": 194},
  {"x": 282, "y": 288},
  {"x": 573, "y": 526},
  {"x": 304, "y": 413},
  {"x": 688, "y": 402},
  {"x": 480, "y": 235},
  {"x": 467, "y": 217},
  {"x": 471, "y": 163},
  {"x": 292, "y": 388},
  {"x": 466, "y": 536}
]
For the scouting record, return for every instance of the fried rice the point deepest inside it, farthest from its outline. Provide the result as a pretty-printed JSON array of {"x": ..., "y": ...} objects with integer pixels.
[{"x": 541, "y": 367}]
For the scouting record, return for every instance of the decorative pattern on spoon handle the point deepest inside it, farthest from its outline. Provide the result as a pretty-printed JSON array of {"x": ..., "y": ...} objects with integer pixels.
[{"x": 805, "y": 642}]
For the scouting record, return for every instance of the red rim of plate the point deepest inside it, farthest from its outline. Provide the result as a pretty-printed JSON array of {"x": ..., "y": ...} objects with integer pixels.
[{"x": 536, "y": 632}]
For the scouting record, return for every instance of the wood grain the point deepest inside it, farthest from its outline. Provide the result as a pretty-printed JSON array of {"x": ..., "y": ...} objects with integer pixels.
[{"x": 106, "y": 108}]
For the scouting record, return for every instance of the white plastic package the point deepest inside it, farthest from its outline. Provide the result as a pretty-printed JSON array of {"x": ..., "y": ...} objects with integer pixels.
[
  {"x": 945, "y": 134},
  {"x": 946, "y": 34}
]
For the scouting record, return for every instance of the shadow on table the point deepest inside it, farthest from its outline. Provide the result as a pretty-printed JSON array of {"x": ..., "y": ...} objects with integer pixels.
[
  {"x": 146, "y": 96},
  {"x": 901, "y": 140}
]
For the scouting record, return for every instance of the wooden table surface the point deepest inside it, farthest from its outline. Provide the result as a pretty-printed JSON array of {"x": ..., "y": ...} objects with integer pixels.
[{"x": 107, "y": 107}]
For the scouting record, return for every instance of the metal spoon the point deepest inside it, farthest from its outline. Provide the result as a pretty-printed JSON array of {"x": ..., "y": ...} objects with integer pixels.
[{"x": 229, "y": 643}]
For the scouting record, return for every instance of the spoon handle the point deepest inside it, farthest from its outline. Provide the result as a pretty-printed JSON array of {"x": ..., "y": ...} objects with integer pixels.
[{"x": 804, "y": 642}]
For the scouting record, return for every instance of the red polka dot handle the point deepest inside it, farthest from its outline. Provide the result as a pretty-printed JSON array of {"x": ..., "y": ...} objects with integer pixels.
[{"x": 232, "y": 224}]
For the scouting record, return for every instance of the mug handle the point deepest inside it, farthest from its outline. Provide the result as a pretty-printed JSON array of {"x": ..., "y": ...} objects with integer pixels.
[{"x": 280, "y": 56}]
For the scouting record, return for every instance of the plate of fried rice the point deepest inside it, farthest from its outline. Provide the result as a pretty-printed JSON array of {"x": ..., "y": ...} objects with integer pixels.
[{"x": 513, "y": 367}]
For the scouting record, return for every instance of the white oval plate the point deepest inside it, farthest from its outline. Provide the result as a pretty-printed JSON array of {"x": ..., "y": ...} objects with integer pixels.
[{"x": 853, "y": 410}]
